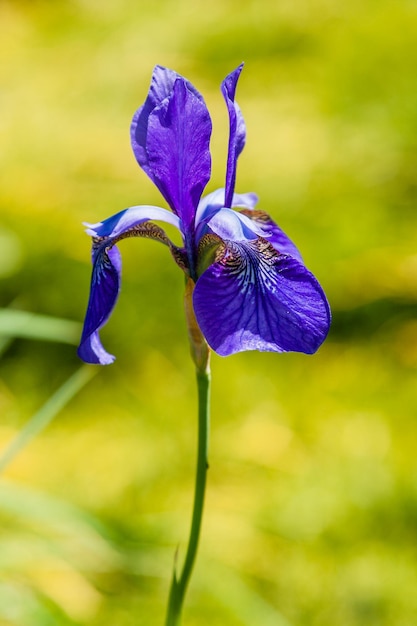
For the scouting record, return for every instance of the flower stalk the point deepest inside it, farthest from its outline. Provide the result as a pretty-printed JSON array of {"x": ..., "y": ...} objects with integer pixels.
[
  {"x": 200, "y": 351},
  {"x": 201, "y": 355}
]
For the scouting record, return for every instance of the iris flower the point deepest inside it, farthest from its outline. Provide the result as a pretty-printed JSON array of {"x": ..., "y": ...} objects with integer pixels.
[{"x": 250, "y": 287}]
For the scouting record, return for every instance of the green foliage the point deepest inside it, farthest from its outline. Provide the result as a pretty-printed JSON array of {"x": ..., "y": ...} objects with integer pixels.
[{"x": 311, "y": 509}]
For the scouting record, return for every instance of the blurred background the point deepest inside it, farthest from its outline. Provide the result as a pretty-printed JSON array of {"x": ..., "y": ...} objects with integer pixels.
[{"x": 311, "y": 511}]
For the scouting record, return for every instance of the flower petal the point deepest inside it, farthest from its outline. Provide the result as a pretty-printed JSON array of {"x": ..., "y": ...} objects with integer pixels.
[
  {"x": 105, "y": 281},
  {"x": 215, "y": 200},
  {"x": 253, "y": 298},
  {"x": 211, "y": 204},
  {"x": 129, "y": 218},
  {"x": 162, "y": 83},
  {"x": 233, "y": 226},
  {"x": 170, "y": 138},
  {"x": 237, "y": 136},
  {"x": 281, "y": 242},
  {"x": 105, "y": 287}
]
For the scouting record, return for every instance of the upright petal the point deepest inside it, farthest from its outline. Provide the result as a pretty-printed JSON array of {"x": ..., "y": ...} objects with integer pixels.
[
  {"x": 253, "y": 298},
  {"x": 105, "y": 287},
  {"x": 170, "y": 138},
  {"x": 237, "y": 136},
  {"x": 162, "y": 84}
]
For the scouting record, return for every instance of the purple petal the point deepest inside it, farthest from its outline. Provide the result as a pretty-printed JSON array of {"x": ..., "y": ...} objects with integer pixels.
[
  {"x": 230, "y": 225},
  {"x": 237, "y": 136},
  {"x": 129, "y": 218},
  {"x": 252, "y": 298},
  {"x": 162, "y": 84},
  {"x": 271, "y": 231},
  {"x": 105, "y": 281},
  {"x": 105, "y": 287},
  {"x": 170, "y": 138},
  {"x": 215, "y": 200}
]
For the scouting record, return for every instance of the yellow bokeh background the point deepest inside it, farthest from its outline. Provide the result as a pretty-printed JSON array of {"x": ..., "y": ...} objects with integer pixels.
[{"x": 311, "y": 511}]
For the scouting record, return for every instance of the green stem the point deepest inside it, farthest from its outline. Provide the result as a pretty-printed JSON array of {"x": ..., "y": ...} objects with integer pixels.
[{"x": 179, "y": 585}]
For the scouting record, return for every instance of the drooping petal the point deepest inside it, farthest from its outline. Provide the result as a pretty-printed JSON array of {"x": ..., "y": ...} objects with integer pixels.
[
  {"x": 129, "y": 218},
  {"x": 237, "y": 136},
  {"x": 281, "y": 242},
  {"x": 105, "y": 281},
  {"x": 105, "y": 287},
  {"x": 253, "y": 298},
  {"x": 170, "y": 138}
]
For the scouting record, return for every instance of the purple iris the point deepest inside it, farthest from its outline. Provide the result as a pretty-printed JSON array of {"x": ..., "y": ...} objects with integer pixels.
[{"x": 252, "y": 290}]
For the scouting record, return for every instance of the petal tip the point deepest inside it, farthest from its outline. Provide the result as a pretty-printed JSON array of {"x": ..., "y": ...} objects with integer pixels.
[{"x": 91, "y": 351}]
